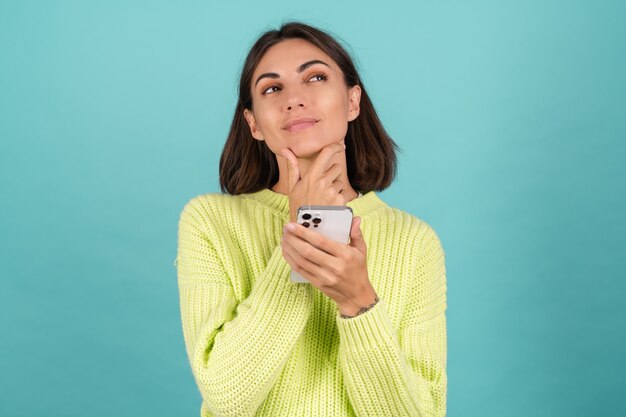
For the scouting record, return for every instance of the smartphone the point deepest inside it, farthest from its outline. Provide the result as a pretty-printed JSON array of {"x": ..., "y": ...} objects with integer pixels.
[{"x": 333, "y": 222}]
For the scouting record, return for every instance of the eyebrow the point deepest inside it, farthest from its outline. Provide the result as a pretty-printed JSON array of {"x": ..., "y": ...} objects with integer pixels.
[{"x": 300, "y": 69}]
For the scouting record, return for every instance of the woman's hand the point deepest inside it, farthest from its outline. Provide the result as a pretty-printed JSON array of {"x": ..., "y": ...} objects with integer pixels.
[
  {"x": 323, "y": 183},
  {"x": 338, "y": 270}
]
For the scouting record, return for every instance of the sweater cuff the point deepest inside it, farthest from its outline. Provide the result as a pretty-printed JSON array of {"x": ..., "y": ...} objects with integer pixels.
[{"x": 368, "y": 330}]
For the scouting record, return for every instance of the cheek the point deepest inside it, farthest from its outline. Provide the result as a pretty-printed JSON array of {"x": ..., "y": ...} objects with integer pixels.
[
  {"x": 265, "y": 119},
  {"x": 336, "y": 114},
  {"x": 268, "y": 122},
  {"x": 334, "y": 105},
  {"x": 336, "y": 131},
  {"x": 334, "y": 97}
]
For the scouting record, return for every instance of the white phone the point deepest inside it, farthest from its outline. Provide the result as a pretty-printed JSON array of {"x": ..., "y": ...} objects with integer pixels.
[{"x": 333, "y": 222}]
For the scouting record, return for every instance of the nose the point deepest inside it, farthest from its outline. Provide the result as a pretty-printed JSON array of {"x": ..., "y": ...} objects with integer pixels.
[
  {"x": 290, "y": 106},
  {"x": 295, "y": 98}
]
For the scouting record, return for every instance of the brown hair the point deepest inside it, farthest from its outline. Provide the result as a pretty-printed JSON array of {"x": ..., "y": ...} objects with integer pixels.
[{"x": 248, "y": 165}]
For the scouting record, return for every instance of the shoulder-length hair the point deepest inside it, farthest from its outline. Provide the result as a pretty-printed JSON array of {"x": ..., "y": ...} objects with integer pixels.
[{"x": 247, "y": 165}]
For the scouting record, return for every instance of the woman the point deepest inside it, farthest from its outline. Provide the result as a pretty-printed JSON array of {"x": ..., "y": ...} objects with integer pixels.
[{"x": 367, "y": 335}]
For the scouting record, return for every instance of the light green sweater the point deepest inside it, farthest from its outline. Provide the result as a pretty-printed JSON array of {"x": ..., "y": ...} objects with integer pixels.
[{"x": 260, "y": 345}]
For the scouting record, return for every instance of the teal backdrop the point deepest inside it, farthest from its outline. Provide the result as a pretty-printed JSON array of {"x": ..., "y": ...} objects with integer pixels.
[{"x": 511, "y": 116}]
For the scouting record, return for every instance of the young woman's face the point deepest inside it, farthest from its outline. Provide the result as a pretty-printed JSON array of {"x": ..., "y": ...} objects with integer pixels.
[{"x": 300, "y": 99}]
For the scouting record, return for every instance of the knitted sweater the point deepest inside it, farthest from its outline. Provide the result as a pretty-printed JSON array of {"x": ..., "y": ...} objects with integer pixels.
[{"x": 261, "y": 345}]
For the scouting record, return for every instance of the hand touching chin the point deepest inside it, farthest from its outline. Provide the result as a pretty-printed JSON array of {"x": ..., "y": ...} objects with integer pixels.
[{"x": 309, "y": 150}]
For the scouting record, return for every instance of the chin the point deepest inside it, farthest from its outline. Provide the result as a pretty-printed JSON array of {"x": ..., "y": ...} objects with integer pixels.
[
  {"x": 307, "y": 155},
  {"x": 309, "y": 149}
]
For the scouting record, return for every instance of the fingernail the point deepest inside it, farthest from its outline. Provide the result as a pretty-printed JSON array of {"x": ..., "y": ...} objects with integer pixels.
[{"x": 291, "y": 226}]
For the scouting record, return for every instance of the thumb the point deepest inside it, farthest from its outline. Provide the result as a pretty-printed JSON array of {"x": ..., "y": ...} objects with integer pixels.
[
  {"x": 292, "y": 167},
  {"x": 356, "y": 236}
]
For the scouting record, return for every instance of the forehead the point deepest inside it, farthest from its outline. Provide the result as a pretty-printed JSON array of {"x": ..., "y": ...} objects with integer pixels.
[{"x": 287, "y": 55}]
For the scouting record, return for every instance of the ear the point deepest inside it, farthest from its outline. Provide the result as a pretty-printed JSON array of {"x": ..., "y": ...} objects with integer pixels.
[
  {"x": 254, "y": 129},
  {"x": 354, "y": 100}
]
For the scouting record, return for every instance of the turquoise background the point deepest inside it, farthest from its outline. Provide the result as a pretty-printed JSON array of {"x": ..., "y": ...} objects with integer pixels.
[{"x": 511, "y": 117}]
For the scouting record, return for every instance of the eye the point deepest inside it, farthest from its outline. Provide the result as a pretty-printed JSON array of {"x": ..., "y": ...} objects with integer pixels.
[
  {"x": 269, "y": 90},
  {"x": 320, "y": 77}
]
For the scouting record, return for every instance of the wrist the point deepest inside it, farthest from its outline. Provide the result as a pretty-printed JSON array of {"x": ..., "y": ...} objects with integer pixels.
[{"x": 353, "y": 309}]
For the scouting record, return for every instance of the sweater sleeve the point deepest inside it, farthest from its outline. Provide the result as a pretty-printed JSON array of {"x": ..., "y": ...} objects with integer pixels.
[
  {"x": 401, "y": 372},
  {"x": 236, "y": 350}
]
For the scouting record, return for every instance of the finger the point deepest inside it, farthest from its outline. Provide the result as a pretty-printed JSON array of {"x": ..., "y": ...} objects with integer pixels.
[
  {"x": 356, "y": 236},
  {"x": 327, "y": 287},
  {"x": 323, "y": 160},
  {"x": 338, "y": 187},
  {"x": 333, "y": 180},
  {"x": 309, "y": 270},
  {"x": 326, "y": 249},
  {"x": 294, "y": 266},
  {"x": 333, "y": 173},
  {"x": 289, "y": 259},
  {"x": 308, "y": 251},
  {"x": 292, "y": 167}
]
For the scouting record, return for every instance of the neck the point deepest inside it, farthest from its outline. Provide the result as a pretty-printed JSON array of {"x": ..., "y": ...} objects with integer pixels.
[{"x": 305, "y": 164}]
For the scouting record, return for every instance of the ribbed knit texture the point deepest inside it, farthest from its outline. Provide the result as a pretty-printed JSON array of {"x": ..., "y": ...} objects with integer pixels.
[{"x": 260, "y": 345}]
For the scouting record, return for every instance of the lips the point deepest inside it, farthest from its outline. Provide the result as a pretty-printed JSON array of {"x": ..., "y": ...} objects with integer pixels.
[{"x": 300, "y": 123}]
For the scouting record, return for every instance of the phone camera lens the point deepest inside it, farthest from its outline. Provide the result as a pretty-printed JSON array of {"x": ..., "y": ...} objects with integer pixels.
[
  {"x": 306, "y": 216},
  {"x": 317, "y": 221},
  {"x": 306, "y": 224}
]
